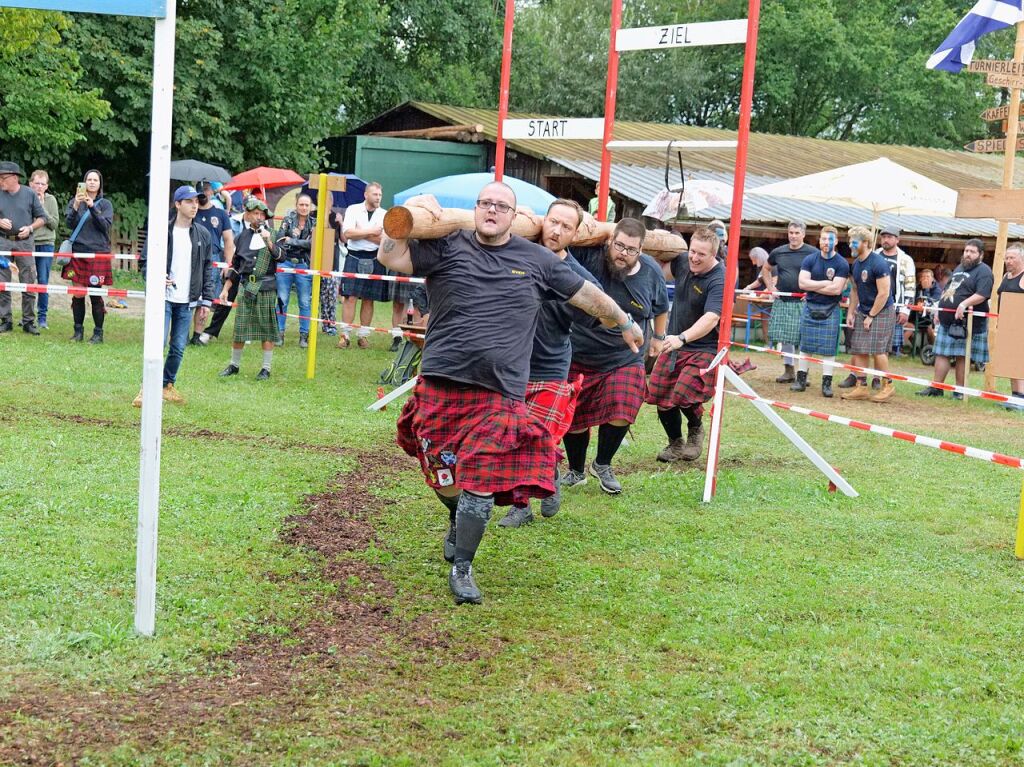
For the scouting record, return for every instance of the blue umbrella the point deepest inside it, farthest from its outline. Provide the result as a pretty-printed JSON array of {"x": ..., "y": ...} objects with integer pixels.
[
  {"x": 353, "y": 194},
  {"x": 461, "y": 191}
]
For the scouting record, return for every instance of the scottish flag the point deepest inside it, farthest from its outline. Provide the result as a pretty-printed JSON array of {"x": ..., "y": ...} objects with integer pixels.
[{"x": 986, "y": 16}]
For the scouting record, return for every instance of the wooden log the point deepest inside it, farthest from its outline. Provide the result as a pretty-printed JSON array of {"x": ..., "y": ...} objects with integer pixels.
[
  {"x": 437, "y": 132},
  {"x": 402, "y": 222}
]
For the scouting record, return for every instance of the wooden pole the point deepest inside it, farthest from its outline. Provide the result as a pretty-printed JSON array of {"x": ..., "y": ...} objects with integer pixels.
[
  {"x": 1013, "y": 123},
  {"x": 506, "y": 77}
]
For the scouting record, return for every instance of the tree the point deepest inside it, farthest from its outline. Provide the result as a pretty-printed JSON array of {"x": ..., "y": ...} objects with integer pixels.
[{"x": 43, "y": 103}]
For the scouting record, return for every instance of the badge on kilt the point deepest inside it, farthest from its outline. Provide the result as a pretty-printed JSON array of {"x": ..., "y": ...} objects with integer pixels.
[{"x": 445, "y": 477}]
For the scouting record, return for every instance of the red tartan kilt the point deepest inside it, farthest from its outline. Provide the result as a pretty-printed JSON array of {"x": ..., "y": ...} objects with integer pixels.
[
  {"x": 86, "y": 269},
  {"x": 676, "y": 380},
  {"x": 606, "y": 397},
  {"x": 553, "y": 404},
  {"x": 497, "y": 446}
]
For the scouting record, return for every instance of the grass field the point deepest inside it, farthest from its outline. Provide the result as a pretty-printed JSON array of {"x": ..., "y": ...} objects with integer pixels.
[{"x": 304, "y": 618}]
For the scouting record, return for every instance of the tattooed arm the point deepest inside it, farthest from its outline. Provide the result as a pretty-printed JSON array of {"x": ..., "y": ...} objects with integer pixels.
[
  {"x": 595, "y": 302},
  {"x": 395, "y": 254}
]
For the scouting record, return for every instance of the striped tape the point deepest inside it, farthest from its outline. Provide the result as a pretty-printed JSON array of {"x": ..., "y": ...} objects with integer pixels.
[
  {"x": 906, "y": 436},
  {"x": 70, "y": 290}
]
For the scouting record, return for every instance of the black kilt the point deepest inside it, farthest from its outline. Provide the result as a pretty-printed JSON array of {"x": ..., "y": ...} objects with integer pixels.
[{"x": 374, "y": 290}]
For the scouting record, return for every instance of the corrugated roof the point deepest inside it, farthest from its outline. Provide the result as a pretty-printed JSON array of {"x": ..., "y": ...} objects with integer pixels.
[
  {"x": 770, "y": 155},
  {"x": 643, "y": 183}
]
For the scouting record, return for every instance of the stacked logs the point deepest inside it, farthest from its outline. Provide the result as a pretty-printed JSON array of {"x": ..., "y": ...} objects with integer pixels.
[{"x": 402, "y": 222}]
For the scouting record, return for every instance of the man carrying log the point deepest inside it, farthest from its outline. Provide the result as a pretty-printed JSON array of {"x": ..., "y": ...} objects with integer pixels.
[
  {"x": 549, "y": 395},
  {"x": 466, "y": 420},
  {"x": 613, "y": 378}
]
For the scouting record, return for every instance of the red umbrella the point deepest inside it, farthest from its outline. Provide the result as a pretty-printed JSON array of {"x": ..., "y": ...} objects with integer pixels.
[{"x": 264, "y": 178}]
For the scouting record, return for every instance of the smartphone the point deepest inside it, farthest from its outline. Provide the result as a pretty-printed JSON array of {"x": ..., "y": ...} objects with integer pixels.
[{"x": 81, "y": 188}]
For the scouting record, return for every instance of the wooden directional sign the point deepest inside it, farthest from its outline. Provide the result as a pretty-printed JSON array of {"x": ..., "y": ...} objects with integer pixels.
[
  {"x": 682, "y": 35},
  {"x": 555, "y": 128},
  {"x": 1005, "y": 81},
  {"x": 998, "y": 113},
  {"x": 992, "y": 145},
  {"x": 997, "y": 67},
  {"x": 334, "y": 183},
  {"x": 1000, "y": 204}
]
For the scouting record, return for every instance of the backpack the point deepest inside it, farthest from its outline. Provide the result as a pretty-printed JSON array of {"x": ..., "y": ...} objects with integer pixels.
[{"x": 405, "y": 365}]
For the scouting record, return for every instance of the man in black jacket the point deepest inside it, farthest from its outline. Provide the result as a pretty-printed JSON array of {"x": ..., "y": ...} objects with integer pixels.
[{"x": 189, "y": 284}]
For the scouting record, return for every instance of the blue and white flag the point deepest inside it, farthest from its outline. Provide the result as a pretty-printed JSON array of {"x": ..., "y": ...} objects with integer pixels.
[{"x": 986, "y": 16}]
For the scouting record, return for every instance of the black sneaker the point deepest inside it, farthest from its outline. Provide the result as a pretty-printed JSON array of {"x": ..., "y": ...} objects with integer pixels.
[
  {"x": 876, "y": 384},
  {"x": 849, "y": 382},
  {"x": 230, "y": 370},
  {"x": 263, "y": 375},
  {"x": 30, "y": 328},
  {"x": 449, "y": 543},
  {"x": 516, "y": 517},
  {"x": 958, "y": 395},
  {"x": 930, "y": 391},
  {"x": 462, "y": 585},
  {"x": 606, "y": 477},
  {"x": 6, "y": 327},
  {"x": 549, "y": 506},
  {"x": 194, "y": 340},
  {"x": 395, "y": 343}
]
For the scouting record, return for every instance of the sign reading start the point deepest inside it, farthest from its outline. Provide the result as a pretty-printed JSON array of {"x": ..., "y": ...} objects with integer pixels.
[{"x": 555, "y": 128}]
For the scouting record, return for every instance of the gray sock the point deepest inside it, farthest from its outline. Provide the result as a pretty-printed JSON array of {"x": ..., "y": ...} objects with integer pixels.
[
  {"x": 452, "y": 504},
  {"x": 236, "y": 356},
  {"x": 267, "y": 357},
  {"x": 470, "y": 523}
]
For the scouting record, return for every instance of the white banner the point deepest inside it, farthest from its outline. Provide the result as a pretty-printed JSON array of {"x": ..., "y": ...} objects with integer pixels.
[
  {"x": 555, "y": 128},
  {"x": 682, "y": 35}
]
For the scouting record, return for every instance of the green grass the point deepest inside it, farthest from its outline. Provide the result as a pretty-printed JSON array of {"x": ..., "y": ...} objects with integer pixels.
[{"x": 779, "y": 624}]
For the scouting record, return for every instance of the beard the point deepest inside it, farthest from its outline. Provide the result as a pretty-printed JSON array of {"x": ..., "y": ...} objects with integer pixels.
[{"x": 617, "y": 272}]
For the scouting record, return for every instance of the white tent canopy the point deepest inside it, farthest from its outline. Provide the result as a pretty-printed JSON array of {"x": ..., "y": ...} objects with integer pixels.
[{"x": 880, "y": 186}]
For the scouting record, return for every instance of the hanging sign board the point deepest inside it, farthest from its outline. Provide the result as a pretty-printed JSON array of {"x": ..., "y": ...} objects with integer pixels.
[
  {"x": 1008, "y": 357},
  {"x": 1005, "y": 81},
  {"x": 1000, "y": 204},
  {"x": 997, "y": 67},
  {"x": 554, "y": 128},
  {"x": 682, "y": 35},
  {"x": 992, "y": 145},
  {"x": 154, "y": 9},
  {"x": 999, "y": 113}
]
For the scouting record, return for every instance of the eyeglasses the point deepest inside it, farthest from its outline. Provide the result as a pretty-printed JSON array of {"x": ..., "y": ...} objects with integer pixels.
[
  {"x": 628, "y": 250},
  {"x": 501, "y": 207}
]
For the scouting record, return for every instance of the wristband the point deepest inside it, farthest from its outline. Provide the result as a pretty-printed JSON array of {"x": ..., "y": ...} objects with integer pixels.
[
  {"x": 682, "y": 339},
  {"x": 630, "y": 322},
  {"x": 872, "y": 316},
  {"x": 659, "y": 336}
]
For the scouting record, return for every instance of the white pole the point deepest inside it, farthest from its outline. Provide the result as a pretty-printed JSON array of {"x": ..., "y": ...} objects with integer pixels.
[
  {"x": 153, "y": 346},
  {"x": 710, "y": 474}
]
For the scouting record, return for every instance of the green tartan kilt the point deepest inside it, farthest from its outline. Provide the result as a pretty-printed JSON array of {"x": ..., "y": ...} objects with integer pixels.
[
  {"x": 256, "y": 319},
  {"x": 784, "y": 325}
]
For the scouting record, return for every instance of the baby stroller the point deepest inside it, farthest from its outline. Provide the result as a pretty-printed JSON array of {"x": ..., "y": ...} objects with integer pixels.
[{"x": 920, "y": 346}]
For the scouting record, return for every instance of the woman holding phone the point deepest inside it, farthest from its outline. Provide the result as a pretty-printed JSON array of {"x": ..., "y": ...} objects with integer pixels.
[{"x": 89, "y": 216}]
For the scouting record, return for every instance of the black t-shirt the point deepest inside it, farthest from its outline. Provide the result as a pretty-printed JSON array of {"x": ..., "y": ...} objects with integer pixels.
[
  {"x": 552, "y": 352},
  {"x": 484, "y": 304},
  {"x": 824, "y": 269},
  {"x": 1011, "y": 285},
  {"x": 786, "y": 263},
  {"x": 643, "y": 295},
  {"x": 695, "y": 296},
  {"x": 22, "y": 208},
  {"x": 963, "y": 284}
]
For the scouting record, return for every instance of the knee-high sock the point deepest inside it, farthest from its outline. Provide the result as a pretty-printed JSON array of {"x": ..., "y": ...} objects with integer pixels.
[
  {"x": 450, "y": 503},
  {"x": 470, "y": 522},
  {"x": 576, "y": 449},
  {"x": 692, "y": 417},
  {"x": 671, "y": 422},
  {"x": 786, "y": 350},
  {"x": 609, "y": 438}
]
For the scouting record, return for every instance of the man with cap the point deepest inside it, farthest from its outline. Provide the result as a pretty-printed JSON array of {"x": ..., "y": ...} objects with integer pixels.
[
  {"x": 189, "y": 284},
  {"x": 218, "y": 223},
  {"x": 466, "y": 420},
  {"x": 21, "y": 214},
  {"x": 254, "y": 270}
]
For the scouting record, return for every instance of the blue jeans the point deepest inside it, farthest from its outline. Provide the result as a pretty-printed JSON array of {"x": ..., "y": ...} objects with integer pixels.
[
  {"x": 303, "y": 287},
  {"x": 177, "y": 323},
  {"x": 43, "y": 264}
]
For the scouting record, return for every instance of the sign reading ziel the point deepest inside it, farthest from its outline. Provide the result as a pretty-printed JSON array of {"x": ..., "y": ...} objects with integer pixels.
[
  {"x": 555, "y": 128},
  {"x": 154, "y": 9},
  {"x": 682, "y": 35}
]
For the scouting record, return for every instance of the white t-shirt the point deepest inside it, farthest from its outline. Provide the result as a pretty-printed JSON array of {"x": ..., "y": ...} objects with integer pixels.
[
  {"x": 357, "y": 217},
  {"x": 181, "y": 265}
]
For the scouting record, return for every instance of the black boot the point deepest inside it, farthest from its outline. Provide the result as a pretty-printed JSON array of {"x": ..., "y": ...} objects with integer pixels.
[
  {"x": 97, "y": 336},
  {"x": 79, "y": 334},
  {"x": 849, "y": 382},
  {"x": 800, "y": 384},
  {"x": 787, "y": 375},
  {"x": 826, "y": 386}
]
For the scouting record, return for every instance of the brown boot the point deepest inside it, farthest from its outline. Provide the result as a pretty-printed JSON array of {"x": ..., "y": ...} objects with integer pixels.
[
  {"x": 694, "y": 443},
  {"x": 886, "y": 393},
  {"x": 860, "y": 391},
  {"x": 788, "y": 375},
  {"x": 673, "y": 451}
]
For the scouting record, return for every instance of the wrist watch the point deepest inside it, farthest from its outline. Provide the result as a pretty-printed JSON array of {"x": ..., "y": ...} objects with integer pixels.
[
  {"x": 682, "y": 339},
  {"x": 623, "y": 327},
  {"x": 659, "y": 336}
]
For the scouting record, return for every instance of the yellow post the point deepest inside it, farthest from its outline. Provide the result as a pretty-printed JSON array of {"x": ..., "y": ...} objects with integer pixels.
[
  {"x": 1018, "y": 550},
  {"x": 323, "y": 209},
  {"x": 1012, "y": 124}
]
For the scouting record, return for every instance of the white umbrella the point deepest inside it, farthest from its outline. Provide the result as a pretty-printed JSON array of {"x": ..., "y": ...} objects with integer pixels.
[
  {"x": 880, "y": 186},
  {"x": 697, "y": 195}
]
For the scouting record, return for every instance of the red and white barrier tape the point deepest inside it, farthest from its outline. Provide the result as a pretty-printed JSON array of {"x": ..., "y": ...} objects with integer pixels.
[
  {"x": 352, "y": 275},
  {"x": 65, "y": 254},
  {"x": 911, "y": 307},
  {"x": 917, "y": 439},
  {"x": 335, "y": 323},
  {"x": 989, "y": 395},
  {"x": 71, "y": 290}
]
